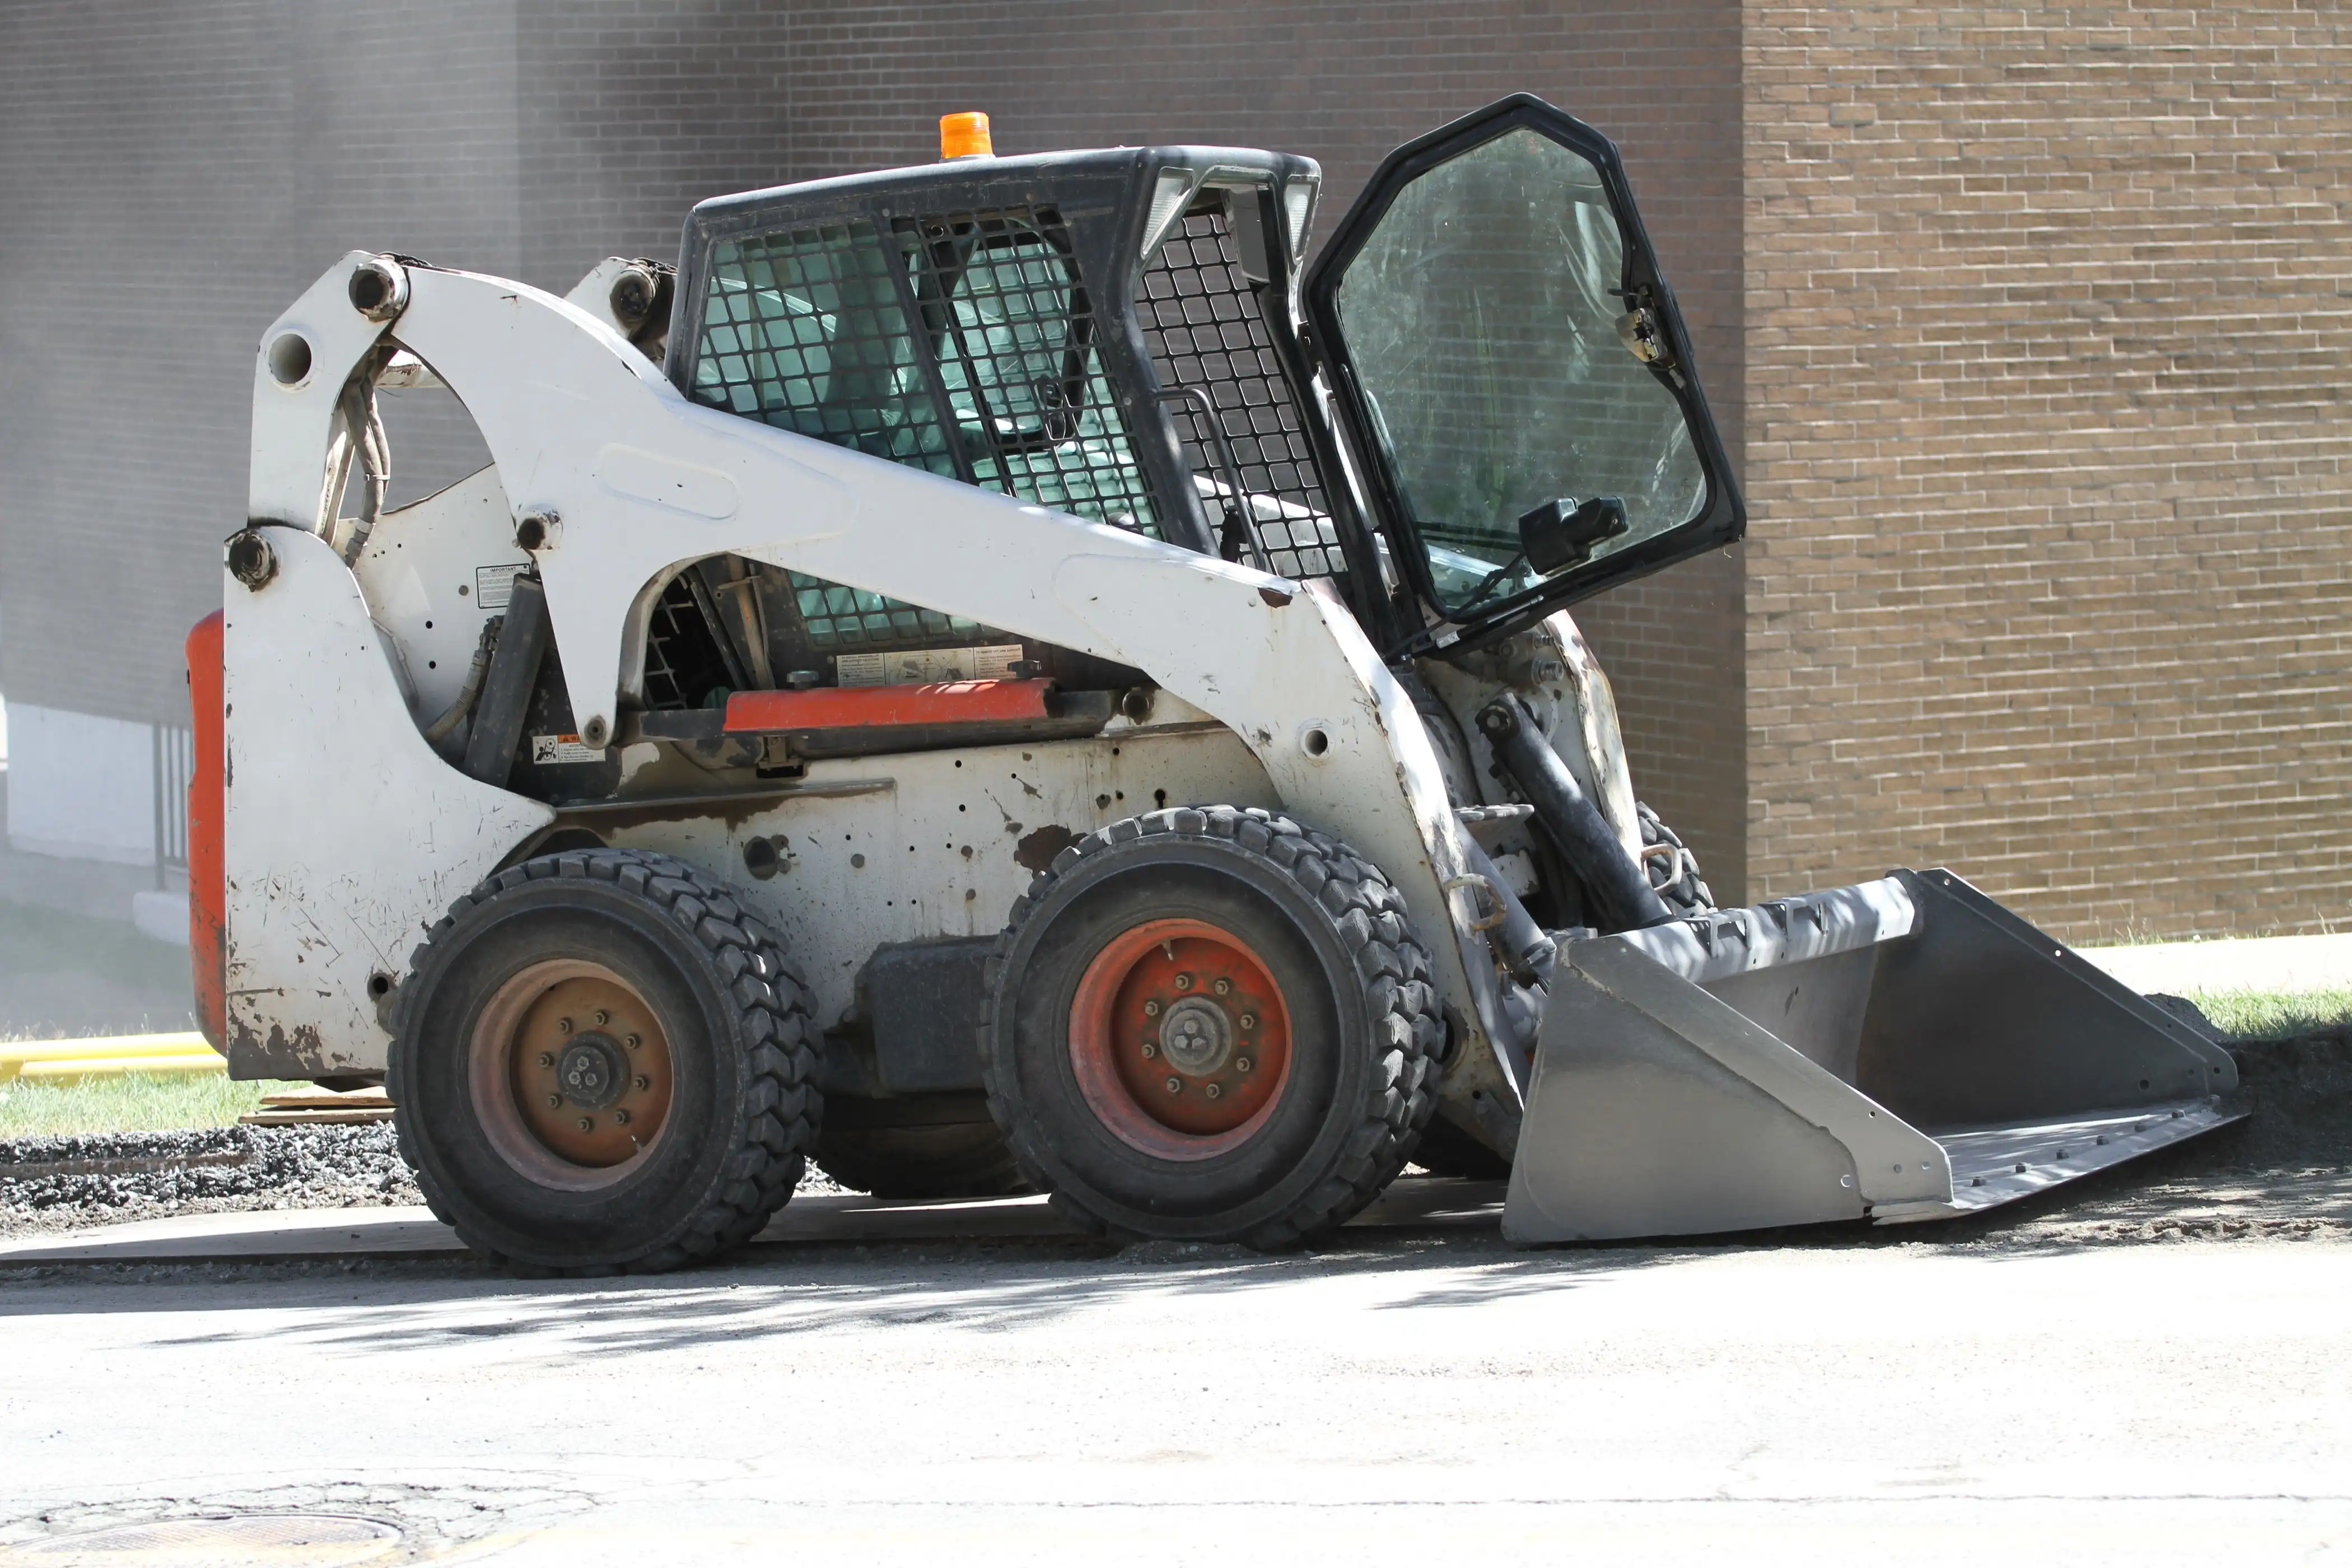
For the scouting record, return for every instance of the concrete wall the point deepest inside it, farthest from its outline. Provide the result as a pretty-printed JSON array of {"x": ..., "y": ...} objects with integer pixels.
[
  {"x": 2051, "y": 574},
  {"x": 178, "y": 171},
  {"x": 81, "y": 786}
]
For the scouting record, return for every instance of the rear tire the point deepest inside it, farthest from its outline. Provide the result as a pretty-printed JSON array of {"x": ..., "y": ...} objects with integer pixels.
[
  {"x": 601, "y": 1062},
  {"x": 1267, "y": 973}
]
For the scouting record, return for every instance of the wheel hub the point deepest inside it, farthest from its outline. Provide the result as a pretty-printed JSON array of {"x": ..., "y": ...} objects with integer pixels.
[
  {"x": 1196, "y": 1035},
  {"x": 592, "y": 1071},
  {"x": 574, "y": 1067},
  {"x": 1179, "y": 1039}
]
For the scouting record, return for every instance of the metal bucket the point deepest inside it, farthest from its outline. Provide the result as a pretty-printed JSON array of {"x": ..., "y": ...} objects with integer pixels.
[{"x": 1904, "y": 1049}]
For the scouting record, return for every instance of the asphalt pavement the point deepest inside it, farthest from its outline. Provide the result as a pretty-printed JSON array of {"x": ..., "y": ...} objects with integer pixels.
[{"x": 2100, "y": 1381}]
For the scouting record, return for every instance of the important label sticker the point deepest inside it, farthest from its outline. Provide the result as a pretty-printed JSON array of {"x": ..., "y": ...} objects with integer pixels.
[
  {"x": 546, "y": 749},
  {"x": 926, "y": 666},
  {"x": 494, "y": 585}
]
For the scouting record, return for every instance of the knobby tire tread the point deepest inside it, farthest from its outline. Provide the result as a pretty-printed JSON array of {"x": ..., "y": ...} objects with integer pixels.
[
  {"x": 1390, "y": 963},
  {"x": 783, "y": 1106}
]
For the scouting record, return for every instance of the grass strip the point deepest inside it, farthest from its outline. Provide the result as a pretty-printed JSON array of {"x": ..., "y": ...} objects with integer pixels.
[
  {"x": 134, "y": 1102},
  {"x": 2274, "y": 1015}
]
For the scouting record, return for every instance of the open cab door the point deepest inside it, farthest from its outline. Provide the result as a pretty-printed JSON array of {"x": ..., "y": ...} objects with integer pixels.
[{"x": 1511, "y": 364}]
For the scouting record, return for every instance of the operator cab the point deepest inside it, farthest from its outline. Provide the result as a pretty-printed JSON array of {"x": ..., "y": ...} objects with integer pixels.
[{"x": 1129, "y": 335}]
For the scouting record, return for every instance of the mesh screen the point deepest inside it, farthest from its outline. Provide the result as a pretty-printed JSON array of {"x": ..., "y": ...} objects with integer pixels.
[
  {"x": 1015, "y": 331},
  {"x": 1201, "y": 319},
  {"x": 804, "y": 331},
  {"x": 838, "y": 616},
  {"x": 808, "y": 331}
]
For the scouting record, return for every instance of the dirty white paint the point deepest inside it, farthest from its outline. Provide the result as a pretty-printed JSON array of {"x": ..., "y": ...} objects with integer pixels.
[
  {"x": 346, "y": 835},
  {"x": 634, "y": 482},
  {"x": 423, "y": 572},
  {"x": 881, "y": 849}
]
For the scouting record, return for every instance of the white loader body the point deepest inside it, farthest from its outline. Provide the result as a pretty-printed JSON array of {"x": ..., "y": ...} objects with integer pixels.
[{"x": 1344, "y": 838}]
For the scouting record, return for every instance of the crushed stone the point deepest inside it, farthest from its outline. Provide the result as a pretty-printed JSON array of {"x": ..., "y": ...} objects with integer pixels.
[{"x": 67, "y": 1182}]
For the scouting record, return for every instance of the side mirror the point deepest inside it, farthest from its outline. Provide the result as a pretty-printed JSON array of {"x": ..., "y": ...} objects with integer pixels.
[{"x": 1561, "y": 534}]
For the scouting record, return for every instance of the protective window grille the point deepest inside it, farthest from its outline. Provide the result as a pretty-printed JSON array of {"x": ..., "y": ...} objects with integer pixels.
[
  {"x": 1013, "y": 329},
  {"x": 174, "y": 752},
  {"x": 1205, "y": 330},
  {"x": 805, "y": 330},
  {"x": 842, "y": 616}
]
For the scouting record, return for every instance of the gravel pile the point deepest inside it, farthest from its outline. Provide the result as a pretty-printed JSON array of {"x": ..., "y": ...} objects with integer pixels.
[{"x": 61, "y": 1184}]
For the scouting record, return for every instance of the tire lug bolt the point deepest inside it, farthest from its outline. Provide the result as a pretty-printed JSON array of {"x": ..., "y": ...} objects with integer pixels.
[
  {"x": 603, "y": 1017},
  {"x": 643, "y": 1083},
  {"x": 620, "y": 1119},
  {"x": 1150, "y": 1049},
  {"x": 1151, "y": 1009},
  {"x": 1249, "y": 1021},
  {"x": 1212, "y": 1091},
  {"x": 587, "y": 1124},
  {"x": 1175, "y": 1086},
  {"x": 1241, "y": 1064},
  {"x": 1223, "y": 986},
  {"x": 1183, "y": 983},
  {"x": 554, "y": 1100},
  {"x": 563, "y": 1026},
  {"x": 547, "y": 1059},
  {"x": 631, "y": 1041}
]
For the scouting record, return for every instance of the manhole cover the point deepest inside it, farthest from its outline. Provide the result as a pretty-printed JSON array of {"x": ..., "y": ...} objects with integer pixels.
[{"x": 293, "y": 1540}]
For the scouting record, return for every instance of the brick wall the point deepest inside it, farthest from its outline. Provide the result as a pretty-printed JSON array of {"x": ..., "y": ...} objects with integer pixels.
[{"x": 2051, "y": 573}]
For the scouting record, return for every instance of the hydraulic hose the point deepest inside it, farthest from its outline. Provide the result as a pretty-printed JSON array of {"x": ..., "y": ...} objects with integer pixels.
[
  {"x": 1626, "y": 900},
  {"x": 438, "y": 732}
]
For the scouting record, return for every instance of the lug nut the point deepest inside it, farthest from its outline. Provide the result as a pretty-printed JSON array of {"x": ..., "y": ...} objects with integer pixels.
[
  {"x": 1249, "y": 1020},
  {"x": 631, "y": 1041},
  {"x": 1212, "y": 1091},
  {"x": 603, "y": 1017},
  {"x": 1241, "y": 1064},
  {"x": 547, "y": 1059},
  {"x": 620, "y": 1119},
  {"x": 563, "y": 1026},
  {"x": 587, "y": 1124},
  {"x": 1150, "y": 1049},
  {"x": 643, "y": 1083},
  {"x": 1151, "y": 1009},
  {"x": 1223, "y": 986},
  {"x": 1183, "y": 983},
  {"x": 1175, "y": 1086},
  {"x": 554, "y": 1101}
]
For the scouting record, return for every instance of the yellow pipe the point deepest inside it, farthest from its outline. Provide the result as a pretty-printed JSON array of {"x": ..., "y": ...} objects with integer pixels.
[
  {"x": 101, "y": 1048},
  {"x": 120, "y": 1066}
]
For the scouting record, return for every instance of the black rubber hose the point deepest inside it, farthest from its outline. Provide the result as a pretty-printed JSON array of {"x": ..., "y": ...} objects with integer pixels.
[
  {"x": 505, "y": 702},
  {"x": 1626, "y": 900}
]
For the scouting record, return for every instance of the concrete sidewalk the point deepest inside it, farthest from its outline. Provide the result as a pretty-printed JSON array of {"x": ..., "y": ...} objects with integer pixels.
[{"x": 2278, "y": 963}]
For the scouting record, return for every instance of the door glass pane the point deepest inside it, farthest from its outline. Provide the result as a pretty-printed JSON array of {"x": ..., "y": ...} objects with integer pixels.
[{"x": 1480, "y": 324}]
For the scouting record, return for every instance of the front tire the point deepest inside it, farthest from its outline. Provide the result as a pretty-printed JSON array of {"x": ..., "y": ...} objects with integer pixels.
[
  {"x": 601, "y": 1062},
  {"x": 1211, "y": 1024}
]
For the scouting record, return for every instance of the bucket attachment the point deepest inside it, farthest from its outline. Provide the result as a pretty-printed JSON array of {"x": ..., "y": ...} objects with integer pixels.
[{"x": 1904, "y": 1049}]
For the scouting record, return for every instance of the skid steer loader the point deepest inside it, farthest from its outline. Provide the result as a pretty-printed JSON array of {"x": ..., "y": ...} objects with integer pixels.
[{"x": 991, "y": 675}]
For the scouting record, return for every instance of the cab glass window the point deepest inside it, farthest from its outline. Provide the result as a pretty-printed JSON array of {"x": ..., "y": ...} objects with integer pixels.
[{"x": 1481, "y": 318}]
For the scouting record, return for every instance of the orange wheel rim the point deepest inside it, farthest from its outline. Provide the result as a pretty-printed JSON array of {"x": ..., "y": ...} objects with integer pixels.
[
  {"x": 572, "y": 1074},
  {"x": 1180, "y": 1039}
]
